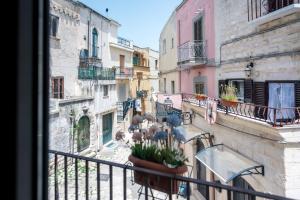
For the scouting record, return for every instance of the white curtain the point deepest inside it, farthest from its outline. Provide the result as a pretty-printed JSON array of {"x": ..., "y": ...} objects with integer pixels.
[{"x": 281, "y": 95}]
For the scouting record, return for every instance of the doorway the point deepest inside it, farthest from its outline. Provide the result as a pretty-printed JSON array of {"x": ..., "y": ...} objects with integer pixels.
[{"x": 107, "y": 122}]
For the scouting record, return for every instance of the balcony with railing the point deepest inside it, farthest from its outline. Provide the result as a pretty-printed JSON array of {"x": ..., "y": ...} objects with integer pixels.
[
  {"x": 192, "y": 53},
  {"x": 271, "y": 9},
  {"x": 85, "y": 60},
  {"x": 277, "y": 117},
  {"x": 123, "y": 42},
  {"x": 77, "y": 177},
  {"x": 96, "y": 73},
  {"x": 124, "y": 72}
]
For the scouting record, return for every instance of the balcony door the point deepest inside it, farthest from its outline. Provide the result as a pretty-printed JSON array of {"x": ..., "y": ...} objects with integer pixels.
[
  {"x": 107, "y": 122},
  {"x": 95, "y": 43},
  {"x": 197, "y": 50},
  {"x": 122, "y": 63}
]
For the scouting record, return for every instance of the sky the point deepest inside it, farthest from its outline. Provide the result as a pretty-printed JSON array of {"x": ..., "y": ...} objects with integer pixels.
[{"x": 141, "y": 20}]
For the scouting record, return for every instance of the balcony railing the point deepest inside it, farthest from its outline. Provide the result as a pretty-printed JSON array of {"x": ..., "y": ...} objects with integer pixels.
[
  {"x": 123, "y": 41},
  {"x": 192, "y": 52},
  {"x": 96, "y": 73},
  {"x": 124, "y": 72},
  {"x": 87, "y": 61},
  {"x": 82, "y": 178},
  {"x": 259, "y": 8},
  {"x": 273, "y": 116}
]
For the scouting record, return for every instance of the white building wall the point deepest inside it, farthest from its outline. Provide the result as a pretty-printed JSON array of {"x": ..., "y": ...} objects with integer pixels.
[
  {"x": 168, "y": 59},
  {"x": 64, "y": 55}
]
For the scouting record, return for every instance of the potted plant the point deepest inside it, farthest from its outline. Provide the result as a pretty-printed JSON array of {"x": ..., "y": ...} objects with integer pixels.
[
  {"x": 228, "y": 96},
  {"x": 157, "y": 149},
  {"x": 201, "y": 97}
]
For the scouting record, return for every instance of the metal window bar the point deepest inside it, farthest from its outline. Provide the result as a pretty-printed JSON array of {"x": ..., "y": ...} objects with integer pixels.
[
  {"x": 259, "y": 8},
  {"x": 149, "y": 172}
]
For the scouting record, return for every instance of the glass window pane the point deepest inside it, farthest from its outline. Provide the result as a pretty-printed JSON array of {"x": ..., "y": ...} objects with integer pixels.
[{"x": 224, "y": 162}]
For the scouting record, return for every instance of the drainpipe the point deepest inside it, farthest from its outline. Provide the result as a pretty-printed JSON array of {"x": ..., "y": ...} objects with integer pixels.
[{"x": 89, "y": 27}]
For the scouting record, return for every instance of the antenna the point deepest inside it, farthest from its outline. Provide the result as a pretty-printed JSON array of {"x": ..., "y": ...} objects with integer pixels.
[{"x": 106, "y": 10}]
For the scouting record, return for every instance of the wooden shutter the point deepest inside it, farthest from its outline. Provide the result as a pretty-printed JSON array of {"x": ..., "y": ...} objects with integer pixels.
[
  {"x": 248, "y": 90},
  {"x": 221, "y": 82},
  {"x": 259, "y": 98},
  {"x": 297, "y": 98}
]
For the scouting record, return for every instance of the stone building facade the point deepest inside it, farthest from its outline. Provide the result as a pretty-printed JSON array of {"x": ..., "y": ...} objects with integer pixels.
[{"x": 83, "y": 109}]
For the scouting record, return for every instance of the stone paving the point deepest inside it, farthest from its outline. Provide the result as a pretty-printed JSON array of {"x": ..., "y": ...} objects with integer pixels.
[{"x": 118, "y": 153}]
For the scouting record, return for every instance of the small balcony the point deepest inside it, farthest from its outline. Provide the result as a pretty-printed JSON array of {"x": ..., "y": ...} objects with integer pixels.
[
  {"x": 124, "y": 72},
  {"x": 85, "y": 60},
  {"x": 272, "y": 8},
  {"x": 95, "y": 73},
  {"x": 192, "y": 53},
  {"x": 123, "y": 42}
]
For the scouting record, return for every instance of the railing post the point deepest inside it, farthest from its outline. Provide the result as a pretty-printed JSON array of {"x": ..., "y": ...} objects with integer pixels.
[
  {"x": 56, "y": 192},
  {"x": 274, "y": 116},
  {"x": 124, "y": 184}
]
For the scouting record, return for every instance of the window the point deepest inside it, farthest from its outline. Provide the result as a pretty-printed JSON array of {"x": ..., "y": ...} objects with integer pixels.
[
  {"x": 156, "y": 63},
  {"x": 122, "y": 63},
  {"x": 282, "y": 95},
  {"x": 164, "y": 46},
  {"x": 199, "y": 88},
  {"x": 241, "y": 183},
  {"x": 95, "y": 43},
  {"x": 273, "y": 5},
  {"x": 105, "y": 90},
  {"x": 57, "y": 87},
  {"x": 53, "y": 25},
  {"x": 172, "y": 43},
  {"x": 173, "y": 87},
  {"x": 198, "y": 32},
  {"x": 201, "y": 172},
  {"x": 239, "y": 85},
  {"x": 165, "y": 85}
]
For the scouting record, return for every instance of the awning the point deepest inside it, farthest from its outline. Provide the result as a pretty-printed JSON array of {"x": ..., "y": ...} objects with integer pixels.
[
  {"x": 191, "y": 132},
  {"x": 228, "y": 164}
]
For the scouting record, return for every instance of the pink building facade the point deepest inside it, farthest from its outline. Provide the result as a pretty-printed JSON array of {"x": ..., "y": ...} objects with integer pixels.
[{"x": 196, "y": 46}]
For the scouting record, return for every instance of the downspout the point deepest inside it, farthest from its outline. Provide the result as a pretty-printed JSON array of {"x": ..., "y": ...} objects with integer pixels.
[{"x": 89, "y": 21}]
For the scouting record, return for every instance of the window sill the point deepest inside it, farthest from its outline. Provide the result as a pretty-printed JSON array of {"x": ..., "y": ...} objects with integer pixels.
[
  {"x": 54, "y": 38},
  {"x": 291, "y": 9}
]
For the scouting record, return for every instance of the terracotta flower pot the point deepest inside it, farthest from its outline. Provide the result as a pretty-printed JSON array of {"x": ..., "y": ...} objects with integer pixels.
[
  {"x": 229, "y": 103},
  {"x": 160, "y": 183},
  {"x": 201, "y": 97}
]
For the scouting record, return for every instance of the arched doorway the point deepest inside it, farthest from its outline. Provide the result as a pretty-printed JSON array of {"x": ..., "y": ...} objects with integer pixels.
[
  {"x": 95, "y": 43},
  {"x": 201, "y": 172},
  {"x": 83, "y": 137}
]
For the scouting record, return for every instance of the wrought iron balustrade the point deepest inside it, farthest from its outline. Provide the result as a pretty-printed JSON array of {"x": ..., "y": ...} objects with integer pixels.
[
  {"x": 123, "y": 41},
  {"x": 124, "y": 72},
  {"x": 69, "y": 171},
  {"x": 259, "y": 8},
  {"x": 273, "y": 116},
  {"x": 192, "y": 51},
  {"x": 96, "y": 73}
]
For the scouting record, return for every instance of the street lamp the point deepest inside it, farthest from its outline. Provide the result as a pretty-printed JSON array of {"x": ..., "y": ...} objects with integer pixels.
[{"x": 248, "y": 69}]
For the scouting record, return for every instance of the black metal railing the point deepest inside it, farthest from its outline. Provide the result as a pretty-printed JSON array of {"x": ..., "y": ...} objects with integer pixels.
[
  {"x": 192, "y": 51},
  {"x": 78, "y": 177},
  {"x": 258, "y": 8},
  {"x": 124, "y": 72},
  {"x": 123, "y": 41},
  {"x": 164, "y": 110},
  {"x": 273, "y": 116}
]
